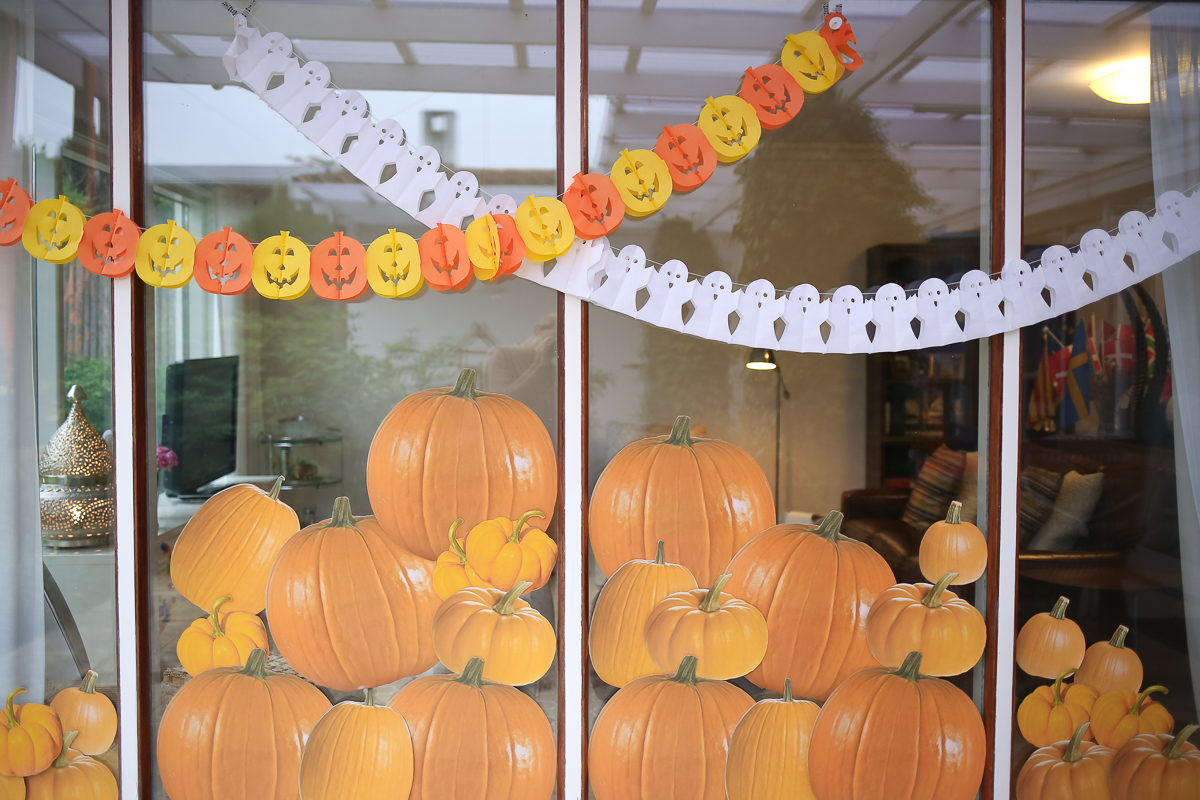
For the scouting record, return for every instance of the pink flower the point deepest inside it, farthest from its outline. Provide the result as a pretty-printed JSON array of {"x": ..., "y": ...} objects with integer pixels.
[{"x": 165, "y": 458}]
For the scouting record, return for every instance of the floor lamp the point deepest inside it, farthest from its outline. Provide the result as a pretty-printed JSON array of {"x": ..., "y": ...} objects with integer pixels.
[{"x": 763, "y": 359}]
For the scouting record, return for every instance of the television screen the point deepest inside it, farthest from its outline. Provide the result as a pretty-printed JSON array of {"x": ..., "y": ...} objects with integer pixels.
[{"x": 200, "y": 422}]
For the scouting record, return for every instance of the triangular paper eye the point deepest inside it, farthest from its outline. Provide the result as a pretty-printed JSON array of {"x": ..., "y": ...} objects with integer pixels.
[
  {"x": 643, "y": 182},
  {"x": 595, "y": 205},
  {"x": 731, "y": 127},
  {"x": 773, "y": 94},
  {"x": 165, "y": 256},
  {"x": 109, "y": 244},
  {"x": 338, "y": 269},
  {"x": 807, "y": 58},
  {"x": 444, "y": 260},
  {"x": 14, "y": 208},
  {"x": 393, "y": 266},
  {"x": 690, "y": 159},
  {"x": 224, "y": 262},
  {"x": 281, "y": 267},
  {"x": 545, "y": 226},
  {"x": 52, "y": 230}
]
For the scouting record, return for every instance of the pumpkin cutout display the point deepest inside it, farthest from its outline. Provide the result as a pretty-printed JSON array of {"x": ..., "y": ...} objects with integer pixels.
[
  {"x": 731, "y": 127},
  {"x": 768, "y": 754},
  {"x": 643, "y": 182},
  {"x": 1111, "y": 665},
  {"x": 451, "y": 572},
  {"x": 617, "y": 642},
  {"x": 224, "y": 262},
  {"x": 545, "y": 227},
  {"x": 838, "y": 34},
  {"x": 595, "y": 205},
  {"x": 393, "y": 266},
  {"x": 444, "y": 261},
  {"x": 474, "y": 740},
  {"x": 1072, "y": 769},
  {"x": 229, "y": 545},
  {"x": 503, "y": 553},
  {"x": 665, "y": 737},
  {"x": 358, "y": 750},
  {"x": 262, "y": 716},
  {"x": 773, "y": 94},
  {"x": 1050, "y": 643},
  {"x": 807, "y": 58},
  {"x": 220, "y": 639},
  {"x": 31, "y": 737},
  {"x": 1121, "y": 714},
  {"x": 90, "y": 714},
  {"x": 72, "y": 776},
  {"x": 1158, "y": 766},
  {"x": 815, "y": 587},
  {"x": 348, "y": 607},
  {"x": 512, "y": 246},
  {"x": 703, "y": 498},
  {"x": 855, "y": 755},
  {"x": 447, "y": 453},
  {"x": 338, "y": 269},
  {"x": 108, "y": 246},
  {"x": 953, "y": 546},
  {"x": 949, "y": 632},
  {"x": 281, "y": 267},
  {"x": 1052, "y": 713},
  {"x": 166, "y": 256},
  {"x": 14, "y": 208},
  {"x": 484, "y": 248},
  {"x": 516, "y": 642},
  {"x": 12, "y": 788},
  {"x": 728, "y": 636},
  {"x": 52, "y": 231},
  {"x": 689, "y": 157}
]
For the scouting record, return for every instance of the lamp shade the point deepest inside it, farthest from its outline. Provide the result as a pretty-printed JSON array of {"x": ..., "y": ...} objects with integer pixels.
[
  {"x": 76, "y": 476},
  {"x": 761, "y": 358}
]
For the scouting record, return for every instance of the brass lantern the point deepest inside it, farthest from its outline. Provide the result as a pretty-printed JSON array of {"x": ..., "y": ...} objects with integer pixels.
[{"x": 77, "y": 490}]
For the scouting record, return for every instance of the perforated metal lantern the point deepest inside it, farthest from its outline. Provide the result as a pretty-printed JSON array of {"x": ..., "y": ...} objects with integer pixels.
[{"x": 77, "y": 490}]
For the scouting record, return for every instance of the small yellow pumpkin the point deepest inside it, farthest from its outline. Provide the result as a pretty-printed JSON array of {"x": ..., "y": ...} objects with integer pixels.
[
  {"x": 31, "y": 737},
  {"x": 451, "y": 572},
  {"x": 516, "y": 643},
  {"x": 90, "y": 713},
  {"x": 1120, "y": 715},
  {"x": 1052, "y": 713},
  {"x": 12, "y": 788},
  {"x": 768, "y": 753},
  {"x": 502, "y": 557},
  {"x": 72, "y": 776},
  {"x": 358, "y": 751},
  {"x": 220, "y": 640},
  {"x": 728, "y": 636}
]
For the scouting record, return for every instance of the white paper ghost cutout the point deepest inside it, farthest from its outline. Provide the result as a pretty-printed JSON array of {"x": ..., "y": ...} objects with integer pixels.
[
  {"x": 626, "y": 273},
  {"x": 1023, "y": 300},
  {"x": 1181, "y": 225},
  {"x": 980, "y": 298},
  {"x": 1103, "y": 258},
  {"x": 244, "y": 35},
  {"x": 937, "y": 308},
  {"x": 849, "y": 314},
  {"x": 757, "y": 309},
  {"x": 263, "y": 59},
  {"x": 309, "y": 96},
  {"x": 296, "y": 78},
  {"x": 500, "y": 204},
  {"x": 1143, "y": 237},
  {"x": 454, "y": 199},
  {"x": 340, "y": 117},
  {"x": 416, "y": 173},
  {"x": 379, "y": 144},
  {"x": 568, "y": 274},
  {"x": 669, "y": 289},
  {"x": 1063, "y": 273},
  {"x": 803, "y": 313},
  {"x": 893, "y": 313},
  {"x": 713, "y": 300}
]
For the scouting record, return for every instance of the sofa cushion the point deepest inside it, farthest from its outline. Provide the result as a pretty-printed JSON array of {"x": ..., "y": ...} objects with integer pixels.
[
  {"x": 1073, "y": 508},
  {"x": 1039, "y": 488},
  {"x": 935, "y": 488}
]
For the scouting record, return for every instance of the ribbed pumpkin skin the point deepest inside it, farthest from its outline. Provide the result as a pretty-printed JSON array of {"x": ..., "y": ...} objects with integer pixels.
[
  {"x": 768, "y": 756},
  {"x": 228, "y": 735},
  {"x": 85, "y": 710},
  {"x": 1141, "y": 770},
  {"x": 1052, "y": 713},
  {"x": 816, "y": 594},
  {"x": 80, "y": 778},
  {"x": 953, "y": 546},
  {"x": 437, "y": 457},
  {"x": 349, "y": 608},
  {"x": 704, "y": 498},
  {"x": 358, "y": 751},
  {"x": 728, "y": 640},
  {"x": 1050, "y": 643},
  {"x": 951, "y": 636},
  {"x": 1120, "y": 715},
  {"x": 12, "y": 788},
  {"x": 1045, "y": 776},
  {"x": 1111, "y": 665},
  {"x": 486, "y": 742},
  {"x": 517, "y": 648},
  {"x": 228, "y": 548},
  {"x": 32, "y": 744}
]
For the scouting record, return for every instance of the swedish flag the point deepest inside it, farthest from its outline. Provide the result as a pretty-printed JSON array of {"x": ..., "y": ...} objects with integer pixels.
[{"x": 1079, "y": 379}]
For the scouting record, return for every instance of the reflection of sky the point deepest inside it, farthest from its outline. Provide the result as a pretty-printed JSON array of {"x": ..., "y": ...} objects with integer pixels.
[{"x": 45, "y": 108}]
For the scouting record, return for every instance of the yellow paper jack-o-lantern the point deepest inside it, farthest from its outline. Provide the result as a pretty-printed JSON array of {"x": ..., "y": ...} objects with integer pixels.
[
  {"x": 483, "y": 247},
  {"x": 166, "y": 254},
  {"x": 731, "y": 126},
  {"x": 807, "y": 58},
  {"x": 53, "y": 229},
  {"x": 643, "y": 180},
  {"x": 546, "y": 228},
  {"x": 281, "y": 267},
  {"x": 394, "y": 266}
]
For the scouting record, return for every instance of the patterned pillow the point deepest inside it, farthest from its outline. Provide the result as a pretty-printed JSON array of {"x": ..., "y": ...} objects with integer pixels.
[
  {"x": 1039, "y": 490},
  {"x": 935, "y": 488},
  {"x": 1072, "y": 509}
]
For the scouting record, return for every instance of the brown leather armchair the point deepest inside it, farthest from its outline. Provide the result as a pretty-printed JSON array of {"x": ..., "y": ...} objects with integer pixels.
[{"x": 873, "y": 516}]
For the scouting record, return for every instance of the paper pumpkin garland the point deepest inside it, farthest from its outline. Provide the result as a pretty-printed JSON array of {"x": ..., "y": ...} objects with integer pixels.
[
  {"x": 338, "y": 268},
  {"x": 165, "y": 256},
  {"x": 109, "y": 244},
  {"x": 52, "y": 230},
  {"x": 731, "y": 126},
  {"x": 393, "y": 266},
  {"x": 773, "y": 94},
  {"x": 838, "y": 34},
  {"x": 224, "y": 261},
  {"x": 545, "y": 226},
  {"x": 444, "y": 261},
  {"x": 595, "y": 205},
  {"x": 281, "y": 267},
  {"x": 14, "y": 207},
  {"x": 643, "y": 181},
  {"x": 690, "y": 159},
  {"x": 807, "y": 58}
]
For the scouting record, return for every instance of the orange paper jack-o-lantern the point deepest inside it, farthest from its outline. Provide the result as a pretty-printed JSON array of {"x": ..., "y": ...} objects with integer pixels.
[
  {"x": 808, "y": 59},
  {"x": 444, "y": 261},
  {"x": 224, "y": 261},
  {"x": 731, "y": 126},
  {"x": 394, "y": 266},
  {"x": 165, "y": 256},
  {"x": 595, "y": 205},
  {"x": 52, "y": 230},
  {"x": 338, "y": 268},
  {"x": 838, "y": 34},
  {"x": 689, "y": 157},
  {"x": 14, "y": 206},
  {"x": 109, "y": 244},
  {"x": 545, "y": 226},
  {"x": 512, "y": 246},
  {"x": 773, "y": 94},
  {"x": 643, "y": 180},
  {"x": 281, "y": 267}
]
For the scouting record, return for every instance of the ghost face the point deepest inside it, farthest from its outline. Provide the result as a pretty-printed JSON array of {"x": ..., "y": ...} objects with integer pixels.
[
  {"x": 1134, "y": 223},
  {"x": 846, "y": 301},
  {"x": 890, "y": 298}
]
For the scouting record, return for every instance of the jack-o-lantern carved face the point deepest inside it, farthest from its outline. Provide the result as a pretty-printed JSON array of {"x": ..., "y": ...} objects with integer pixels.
[
  {"x": 109, "y": 245},
  {"x": 643, "y": 181},
  {"x": 773, "y": 94},
  {"x": 731, "y": 127},
  {"x": 838, "y": 34},
  {"x": 165, "y": 256},
  {"x": 444, "y": 260},
  {"x": 483, "y": 247},
  {"x": 545, "y": 226},
  {"x": 595, "y": 206},
  {"x": 281, "y": 267},
  {"x": 52, "y": 230},
  {"x": 224, "y": 261},
  {"x": 14, "y": 207},
  {"x": 512, "y": 246},
  {"x": 689, "y": 157},
  {"x": 338, "y": 268},
  {"x": 393, "y": 266},
  {"x": 808, "y": 59}
]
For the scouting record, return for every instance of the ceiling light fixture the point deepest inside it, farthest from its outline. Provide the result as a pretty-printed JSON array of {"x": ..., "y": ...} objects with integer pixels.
[{"x": 1124, "y": 82}]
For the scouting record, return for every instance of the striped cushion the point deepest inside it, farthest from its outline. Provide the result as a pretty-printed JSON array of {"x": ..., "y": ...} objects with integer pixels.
[
  {"x": 935, "y": 488},
  {"x": 1039, "y": 490}
]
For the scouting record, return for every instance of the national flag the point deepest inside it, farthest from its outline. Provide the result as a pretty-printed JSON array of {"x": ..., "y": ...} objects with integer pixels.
[
  {"x": 1079, "y": 380},
  {"x": 1118, "y": 347},
  {"x": 1060, "y": 358},
  {"x": 1093, "y": 350},
  {"x": 1043, "y": 402}
]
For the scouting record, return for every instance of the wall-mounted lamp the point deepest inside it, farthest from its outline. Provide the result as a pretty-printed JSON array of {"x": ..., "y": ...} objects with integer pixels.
[
  {"x": 1125, "y": 82},
  {"x": 761, "y": 358}
]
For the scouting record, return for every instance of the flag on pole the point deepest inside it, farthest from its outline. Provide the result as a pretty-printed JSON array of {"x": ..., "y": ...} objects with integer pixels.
[
  {"x": 1118, "y": 347},
  {"x": 1093, "y": 350},
  {"x": 1079, "y": 379},
  {"x": 1060, "y": 357},
  {"x": 1043, "y": 402}
]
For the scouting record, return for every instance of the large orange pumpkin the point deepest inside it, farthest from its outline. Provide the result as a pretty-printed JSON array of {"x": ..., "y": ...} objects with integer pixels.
[
  {"x": 72, "y": 776},
  {"x": 31, "y": 737},
  {"x": 514, "y": 640},
  {"x": 350, "y": 608},
  {"x": 897, "y": 734},
  {"x": 949, "y": 631},
  {"x": 1111, "y": 665},
  {"x": 222, "y": 639},
  {"x": 1158, "y": 766},
  {"x": 474, "y": 740},
  {"x": 1068, "y": 770},
  {"x": 768, "y": 755},
  {"x": 1051, "y": 714},
  {"x": 236, "y": 733},
  {"x": 665, "y": 737},
  {"x": 1120, "y": 715},
  {"x": 228, "y": 547},
  {"x": 815, "y": 587},
  {"x": 358, "y": 750},
  {"x": 953, "y": 546},
  {"x": 89, "y": 713},
  {"x": 441, "y": 454},
  {"x": 703, "y": 497},
  {"x": 1050, "y": 643}
]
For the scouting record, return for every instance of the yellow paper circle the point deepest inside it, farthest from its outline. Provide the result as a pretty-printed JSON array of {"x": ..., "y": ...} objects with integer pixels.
[
  {"x": 731, "y": 127},
  {"x": 394, "y": 266},
  {"x": 643, "y": 181},
  {"x": 545, "y": 226},
  {"x": 52, "y": 230},
  {"x": 807, "y": 58},
  {"x": 165, "y": 256},
  {"x": 281, "y": 267},
  {"x": 483, "y": 247}
]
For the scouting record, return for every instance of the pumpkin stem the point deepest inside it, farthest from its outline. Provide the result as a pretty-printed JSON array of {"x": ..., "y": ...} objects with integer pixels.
[
  {"x": 911, "y": 668},
  {"x": 1072, "y": 754},
  {"x": 68, "y": 739},
  {"x": 1175, "y": 748},
  {"x": 274, "y": 493},
  {"x": 89, "y": 682},
  {"x": 1058, "y": 701},
  {"x": 465, "y": 388},
  {"x": 8, "y": 707},
  {"x": 830, "y": 527},
  {"x": 455, "y": 547},
  {"x": 787, "y": 690},
  {"x": 686, "y": 672},
  {"x": 1141, "y": 698},
  {"x": 256, "y": 664},
  {"x": 712, "y": 600},
  {"x": 520, "y": 523},
  {"x": 1118, "y": 638},
  {"x": 214, "y": 618},
  {"x": 505, "y": 607},
  {"x": 660, "y": 557},
  {"x": 681, "y": 432},
  {"x": 954, "y": 515},
  {"x": 472, "y": 674},
  {"x": 934, "y": 597},
  {"x": 369, "y": 698},
  {"x": 342, "y": 518},
  {"x": 1060, "y": 608}
]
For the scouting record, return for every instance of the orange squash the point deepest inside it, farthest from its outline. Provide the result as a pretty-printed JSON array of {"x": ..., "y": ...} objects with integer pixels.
[
  {"x": 953, "y": 546},
  {"x": 1120, "y": 715},
  {"x": 1111, "y": 665},
  {"x": 1052, "y": 713},
  {"x": 441, "y": 454},
  {"x": 228, "y": 547},
  {"x": 1157, "y": 766},
  {"x": 1068, "y": 770},
  {"x": 358, "y": 750},
  {"x": 474, "y": 740},
  {"x": 768, "y": 754},
  {"x": 263, "y": 717},
  {"x": 349, "y": 608},
  {"x": 31, "y": 737},
  {"x": 451, "y": 572},
  {"x": 1050, "y": 643},
  {"x": 72, "y": 776},
  {"x": 502, "y": 553},
  {"x": 515, "y": 641},
  {"x": 948, "y": 631},
  {"x": 815, "y": 587},
  {"x": 728, "y": 636},
  {"x": 89, "y": 713},
  {"x": 220, "y": 639},
  {"x": 665, "y": 737},
  {"x": 617, "y": 641},
  {"x": 704, "y": 498},
  {"x": 897, "y": 734},
  {"x": 12, "y": 788}
]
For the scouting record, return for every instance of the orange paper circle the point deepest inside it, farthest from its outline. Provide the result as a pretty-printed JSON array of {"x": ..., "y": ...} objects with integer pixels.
[
  {"x": 224, "y": 262},
  {"x": 109, "y": 243},
  {"x": 14, "y": 206},
  {"x": 773, "y": 94},
  {"x": 512, "y": 246},
  {"x": 338, "y": 268},
  {"x": 689, "y": 156},
  {"x": 595, "y": 205},
  {"x": 444, "y": 261}
]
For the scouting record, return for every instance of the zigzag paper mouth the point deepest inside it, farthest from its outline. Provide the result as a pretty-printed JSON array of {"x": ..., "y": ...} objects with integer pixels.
[
  {"x": 165, "y": 270},
  {"x": 342, "y": 284},
  {"x": 281, "y": 281},
  {"x": 224, "y": 279},
  {"x": 394, "y": 281}
]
